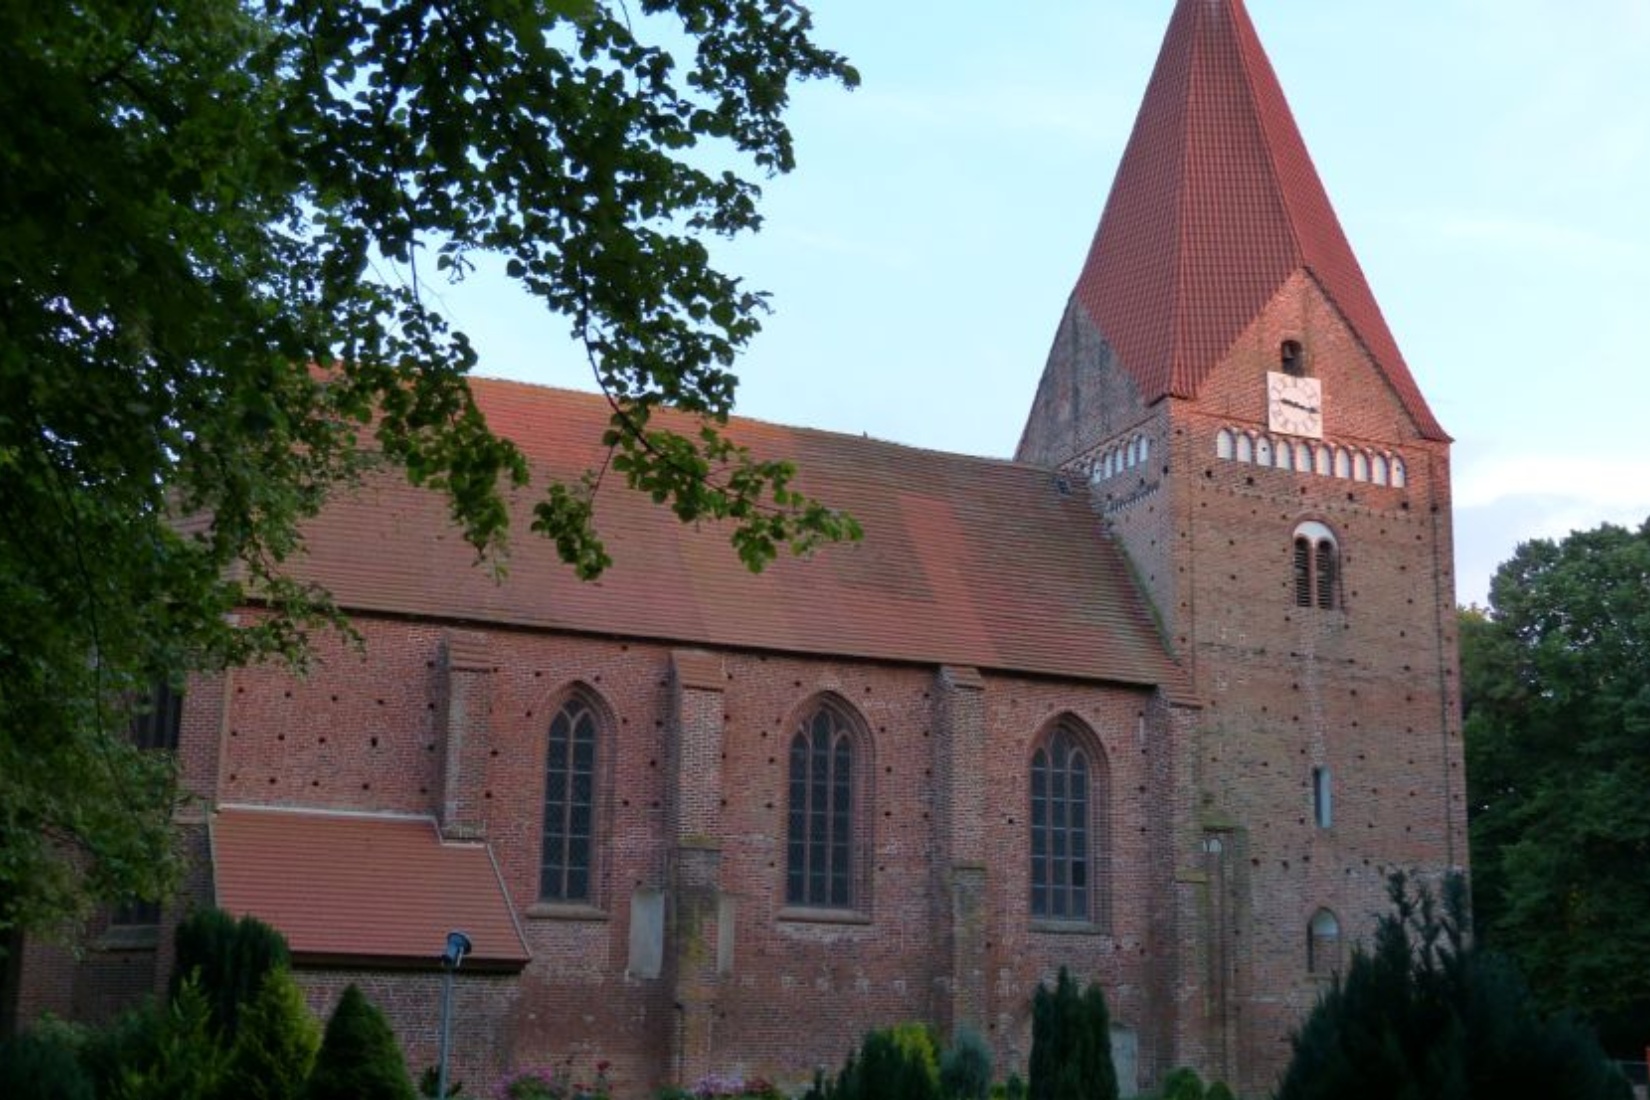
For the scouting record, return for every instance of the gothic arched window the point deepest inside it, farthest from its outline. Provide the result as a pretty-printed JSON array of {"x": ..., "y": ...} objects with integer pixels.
[
  {"x": 1068, "y": 813},
  {"x": 567, "y": 860},
  {"x": 1317, "y": 566},
  {"x": 823, "y": 802}
]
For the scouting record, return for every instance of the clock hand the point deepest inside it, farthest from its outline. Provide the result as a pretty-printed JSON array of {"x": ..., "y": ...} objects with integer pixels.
[{"x": 1298, "y": 405}]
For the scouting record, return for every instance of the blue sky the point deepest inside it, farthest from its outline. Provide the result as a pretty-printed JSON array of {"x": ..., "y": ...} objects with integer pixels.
[{"x": 1489, "y": 160}]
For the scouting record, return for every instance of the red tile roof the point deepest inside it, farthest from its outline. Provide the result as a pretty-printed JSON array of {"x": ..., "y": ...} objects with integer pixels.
[
  {"x": 362, "y": 888},
  {"x": 965, "y": 561},
  {"x": 1215, "y": 204}
]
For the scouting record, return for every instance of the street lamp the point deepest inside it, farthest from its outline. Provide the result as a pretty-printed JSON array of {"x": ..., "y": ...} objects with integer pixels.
[{"x": 458, "y": 945}]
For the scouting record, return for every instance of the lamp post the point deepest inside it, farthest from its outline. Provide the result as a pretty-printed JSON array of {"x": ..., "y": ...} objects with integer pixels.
[{"x": 458, "y": 945}]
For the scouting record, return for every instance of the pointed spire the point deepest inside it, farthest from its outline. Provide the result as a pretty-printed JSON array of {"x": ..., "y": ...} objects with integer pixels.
[{"x": 1215, "y": 204}]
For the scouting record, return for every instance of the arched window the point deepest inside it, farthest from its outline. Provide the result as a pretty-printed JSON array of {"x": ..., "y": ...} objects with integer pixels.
[
  {"x": 1400, "y": 477},
  {"x": 1323, "y": 806},
  {"x": 1263, "y": 451},
  {"x": 1069, "y": 787},
  {"x": 1323, "y": 943},
  {"x": 1225, "y": 445},
  {"x": 1291, "y": 359},
  {"x": 1317, "y": 566},
  {"x": 1285, "y": 455},
  {"x": 568, "y": 855},
  {"x": 1377, "y": 469},
  {"x": 1245, "y": 447},
  {"x": 819, "y": 838},
  {"x": 1343, "y": 463},
  {"x": 1145, "y": 449},
  {"x": 1324, "y": 460},
  {"x": 1360, "y": 466}
]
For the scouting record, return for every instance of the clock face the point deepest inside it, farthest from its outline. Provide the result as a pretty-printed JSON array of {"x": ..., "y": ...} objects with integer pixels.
[{"x": 1294, "y": 405}]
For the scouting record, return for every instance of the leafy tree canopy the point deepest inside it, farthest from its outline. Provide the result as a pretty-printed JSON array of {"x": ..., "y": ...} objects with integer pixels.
[
  {"x": 1556, "y": 681},
  {"x": 196, "y": 200}
]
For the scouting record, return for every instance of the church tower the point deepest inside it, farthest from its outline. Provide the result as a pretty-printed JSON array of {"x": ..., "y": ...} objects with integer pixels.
[{"x": 1227, "y": 386}]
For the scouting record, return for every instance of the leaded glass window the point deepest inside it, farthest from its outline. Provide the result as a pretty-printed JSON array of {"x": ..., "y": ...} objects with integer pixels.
[
  {"x": 569, "y": 805},
  {"x": 819, "y": 858},
  {"x": 1061, "y": 843}
]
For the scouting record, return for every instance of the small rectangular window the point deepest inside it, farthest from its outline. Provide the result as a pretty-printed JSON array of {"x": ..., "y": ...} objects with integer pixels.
[{"x": 1322, "y": 809}]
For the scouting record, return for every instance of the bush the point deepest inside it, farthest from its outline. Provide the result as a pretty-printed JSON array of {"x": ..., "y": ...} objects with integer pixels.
[
  {"x": 42, "y": 1066},
  {"x": 231, "y": 957},
  {"x": 892, "y": 1064},
  {"x": 965, "y": 1068},
  {"x": 178, "y": 1059},
  {"x": 557, "y": 1083},
  {"x": 1220, "y": 1090},
  {"x": 277, "y": 1043},
  {"x": 1183, "y": 1084},
  {"x": 358, "y": 1059},
  {"x": 719, "y": 1086},
  {"x": 1071, "y": 1043},
  {"x": 429, "y": 1083},
  {"x": 1425, "y": 1015}
]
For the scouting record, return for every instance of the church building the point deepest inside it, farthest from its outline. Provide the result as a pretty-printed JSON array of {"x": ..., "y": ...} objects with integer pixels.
[{"x": 1163, "y": 699}]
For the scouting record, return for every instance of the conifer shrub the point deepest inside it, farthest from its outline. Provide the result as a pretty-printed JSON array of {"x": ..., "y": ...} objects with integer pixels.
[
  {"x": 1423, "y": 1014},
  {"x": 1071, "y": 1043},
  {"x": 359, "y": 1059},
  {"x": 1183, "y": 1084},
  {"x": 891, "y": 1064},
  {"x": 178, "y": 1059},
  {"x": 916, "y": 1042},
  {"x": 965, "y": 1067},
  {"x": 276, "y": 1043},
  {"x": 40, "y": 1065},
  {"x": 231, "y": 957}
]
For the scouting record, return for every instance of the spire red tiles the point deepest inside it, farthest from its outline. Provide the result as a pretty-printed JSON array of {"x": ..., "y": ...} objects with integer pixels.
[{"x": 1215, "y": 204}]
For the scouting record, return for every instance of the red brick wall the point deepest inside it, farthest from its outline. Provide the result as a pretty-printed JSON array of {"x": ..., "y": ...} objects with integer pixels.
[
  {"x": 1367, "y": 690},
  {"x": 800, "y": 990}
]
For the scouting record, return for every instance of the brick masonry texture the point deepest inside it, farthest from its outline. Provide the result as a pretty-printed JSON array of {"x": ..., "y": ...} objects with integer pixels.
[
  {"x": 1367, "y": 690},
  {"x": 888, "y": 960},
  {"x": 1158, "y": 624}
]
